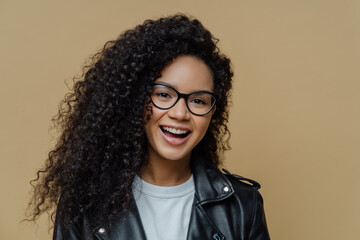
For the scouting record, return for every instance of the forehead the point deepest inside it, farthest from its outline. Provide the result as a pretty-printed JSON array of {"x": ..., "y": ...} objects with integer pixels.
[{"x": 188, "y": 74}]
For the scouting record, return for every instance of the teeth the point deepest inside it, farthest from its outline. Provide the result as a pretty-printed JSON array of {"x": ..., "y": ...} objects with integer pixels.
[{"x": 175, "y": 131}]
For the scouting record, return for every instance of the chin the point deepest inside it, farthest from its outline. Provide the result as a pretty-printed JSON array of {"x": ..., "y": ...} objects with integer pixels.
[{"x": 175, "y": 155}]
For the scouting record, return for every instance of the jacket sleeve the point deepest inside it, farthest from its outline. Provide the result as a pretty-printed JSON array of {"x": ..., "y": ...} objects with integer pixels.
[{"x": 259, "y": 229}]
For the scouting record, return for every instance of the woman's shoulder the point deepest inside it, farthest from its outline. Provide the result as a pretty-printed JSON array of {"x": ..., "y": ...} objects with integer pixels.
[{"x": 241, "y": 183}]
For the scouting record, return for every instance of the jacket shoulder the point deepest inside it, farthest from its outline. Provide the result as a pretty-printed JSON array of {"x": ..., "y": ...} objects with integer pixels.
[{"x": 241, "y": 182}]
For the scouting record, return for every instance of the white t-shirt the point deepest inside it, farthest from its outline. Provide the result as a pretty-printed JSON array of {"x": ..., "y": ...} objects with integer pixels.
[{"x": 164, "y": 211}]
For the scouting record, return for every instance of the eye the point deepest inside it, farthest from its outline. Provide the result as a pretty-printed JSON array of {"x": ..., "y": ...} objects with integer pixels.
[
  {"x": 162, "y": 95},
  {"x": 198, "y": 101}
]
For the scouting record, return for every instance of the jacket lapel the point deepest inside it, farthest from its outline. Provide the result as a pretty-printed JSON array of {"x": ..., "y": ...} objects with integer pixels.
[
  {"x": 128, "y": 226},
  {"x": 210, "y": 186},
  {"x": 201, "y": 226}
]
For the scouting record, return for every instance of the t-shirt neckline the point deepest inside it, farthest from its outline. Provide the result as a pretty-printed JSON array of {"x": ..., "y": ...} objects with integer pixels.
[{"x": 164, "y": 191}]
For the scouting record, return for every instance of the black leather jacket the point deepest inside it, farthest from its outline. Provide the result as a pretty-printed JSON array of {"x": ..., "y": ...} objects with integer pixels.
[{"x": 224, "y": 208}]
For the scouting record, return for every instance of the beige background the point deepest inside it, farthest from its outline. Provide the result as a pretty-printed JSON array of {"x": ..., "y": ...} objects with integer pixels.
[{"x": 295, "y": 119}]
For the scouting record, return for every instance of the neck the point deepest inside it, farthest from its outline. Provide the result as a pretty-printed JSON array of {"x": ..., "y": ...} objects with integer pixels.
[{"x": 165, "y": 172}]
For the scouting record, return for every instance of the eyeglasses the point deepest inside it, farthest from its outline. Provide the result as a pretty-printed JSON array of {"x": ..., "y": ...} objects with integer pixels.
[{"x": 198, "y": 103}]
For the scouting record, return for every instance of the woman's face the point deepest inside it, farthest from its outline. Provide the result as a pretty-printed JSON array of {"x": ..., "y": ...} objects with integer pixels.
[{"x": 173, "y": 133}]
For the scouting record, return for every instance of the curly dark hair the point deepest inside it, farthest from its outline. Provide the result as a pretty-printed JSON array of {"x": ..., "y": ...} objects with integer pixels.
[{"x": 103, "y": 143}]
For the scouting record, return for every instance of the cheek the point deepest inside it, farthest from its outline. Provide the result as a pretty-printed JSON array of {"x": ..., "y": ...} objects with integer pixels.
[
  {"x": 203, "y": 125},
  {"x": 152, "y": 115}
]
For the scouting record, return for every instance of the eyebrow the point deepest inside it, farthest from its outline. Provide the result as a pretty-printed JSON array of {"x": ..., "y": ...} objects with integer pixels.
[{"x": 170, "y": 85}]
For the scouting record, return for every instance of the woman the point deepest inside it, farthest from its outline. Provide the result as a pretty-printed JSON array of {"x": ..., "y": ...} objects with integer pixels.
[{"x": 142, "y": 135}]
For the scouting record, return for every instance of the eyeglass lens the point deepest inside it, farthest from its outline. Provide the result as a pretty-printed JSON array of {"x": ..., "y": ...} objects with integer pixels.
[{"x": 165, "y": 97}]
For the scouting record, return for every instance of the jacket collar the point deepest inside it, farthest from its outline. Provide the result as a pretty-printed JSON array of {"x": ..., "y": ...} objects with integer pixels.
[{"x": 210, "y": 184}]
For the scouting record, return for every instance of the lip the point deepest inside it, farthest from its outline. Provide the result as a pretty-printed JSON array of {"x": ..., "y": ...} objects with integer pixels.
[{"x": 174, "y": 141}]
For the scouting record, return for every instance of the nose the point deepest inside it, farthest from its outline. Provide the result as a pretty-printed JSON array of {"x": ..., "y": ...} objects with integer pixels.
[{"x": 179, "y": 111}]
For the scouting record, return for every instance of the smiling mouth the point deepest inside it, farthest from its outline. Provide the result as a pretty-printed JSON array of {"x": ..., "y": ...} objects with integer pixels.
[{"x": 175, "y": 133}]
